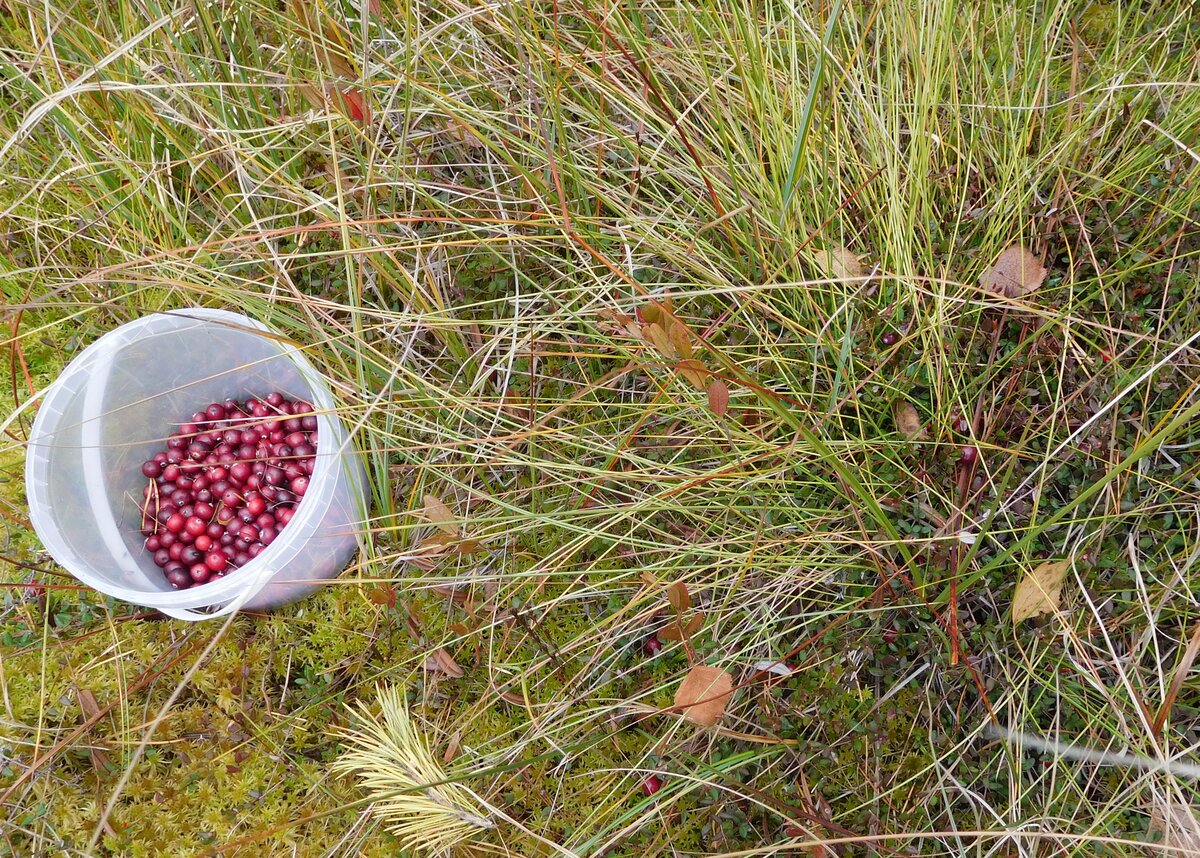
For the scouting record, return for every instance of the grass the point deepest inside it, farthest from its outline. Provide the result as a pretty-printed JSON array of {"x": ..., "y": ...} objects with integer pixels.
[{"x": 465, "y": 213}]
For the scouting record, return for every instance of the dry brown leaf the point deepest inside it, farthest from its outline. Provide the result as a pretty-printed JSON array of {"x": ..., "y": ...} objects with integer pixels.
[
  {"x": 439, "y": 514},
  {"x": 440, "y": 661},
  {"x": 839, "y": 263},
  {"x": 695, "y": 373},
  {"x": 678, "y": 596},
  {"x": 908, "y": 422},
  {"x": 452, "y": 747},
  {"x": 704, "y": 694},
  {"x": 659, "y": 339},
  {"x": 1040, "y": 591},
  {"x": 718, "y": 397},
  {"x": 1177, "y": 826},
  {"x": 1015, "y": 273},
  {"x": 680, "y": 340},
  {"x": 91, "y": 710},
  {"x": 673, "y": 631}
]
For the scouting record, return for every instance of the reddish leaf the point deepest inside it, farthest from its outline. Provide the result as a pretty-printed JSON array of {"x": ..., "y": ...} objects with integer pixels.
[
  {"x": 718, "y": 397},
  {"x": 440, "y": 661},
  {"x": 673, "y": 631},
  {"x": 382, "y": 596},
  {"x": 375, "y": 7},
  {"x": 678, "y": 596},
  {"x": 350, "y": 102}
]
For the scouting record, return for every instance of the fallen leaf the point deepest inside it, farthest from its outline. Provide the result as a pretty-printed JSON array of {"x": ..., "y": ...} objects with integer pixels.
[
  {"x": 1015, "y": 273},
  {"x": 375, "y": 7},
  {"x": 1040, "y": 591},
  {"x": 678, "y": 596},
  {"x": 908, "y": 422},
  {"x": 1177, "y": 826},
  {"x": 439, "y": 514},
  {"x": 840, "y": 264},
  {"x": 778, "y": 668},
  {"x": 704, "y": 694},
  {"x": 440, "y": 661},
  {"x": 718, "y": 397},
  {"x": 452, "y": 747},
  {"x": 91, "y": 710}
]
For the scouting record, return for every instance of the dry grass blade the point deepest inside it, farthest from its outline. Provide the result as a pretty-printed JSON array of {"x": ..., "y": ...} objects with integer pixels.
[{"x": 412, "y": 793}]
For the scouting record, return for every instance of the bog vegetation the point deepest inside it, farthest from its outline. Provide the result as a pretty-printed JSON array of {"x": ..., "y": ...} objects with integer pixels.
[{"x": 774, "y": 411}]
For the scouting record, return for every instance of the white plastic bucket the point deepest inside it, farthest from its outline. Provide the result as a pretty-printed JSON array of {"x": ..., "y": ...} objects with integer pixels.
[{"x": 113, "y": 407}]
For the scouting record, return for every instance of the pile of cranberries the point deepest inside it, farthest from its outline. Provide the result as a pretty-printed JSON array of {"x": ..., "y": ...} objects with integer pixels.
[{"x": 225, "y": 486}]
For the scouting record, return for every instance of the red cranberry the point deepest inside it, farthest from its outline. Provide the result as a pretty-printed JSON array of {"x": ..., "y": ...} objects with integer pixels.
[
  {"x": 309, "y": 423},
  {"x": 216, "y": 561},
  {"x": 162, "y": 557},
  {"x": 204, "y": 510},
  {"x": 653, "y": 646},
  {"x": 232, "y": 498},
  {"x": 170, "y": 473},
  {"x": 153, "y": 544},
  {"x": 890, "y": 636},
  {"x": 267, "y": 535},
  {"x": 175, "y": 523},
  {"x": 199, "y": 573},
  {"x": 967, "y": 455},
  {"x": 152, "y": 469},
  {"x": 299, "y": 486},
  {"x": 295, "y": 439},
  {"x": 179, "y": 579},
  {"x": 175, "y": 550},
  {"x": 890, "y": 338},
  {"x": 652, "y": 784},
  {"x": 256, "y": 503},
  {"x": 962, "y": 426},
  {"x": 256, "y": 549},
  {"x": 167, "y": 539},
  {"x": 275, "y": 399},
  {"x": 241, "y": 558},
  {"x": 239, "y": 472},
  {"x": 284, "y": 515},
  {"x": 195, "y": 525},
  {"x": 203, "y": 542},
  {"x": 248, "y": 533},
  {"x": 292, "y": 424}
]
